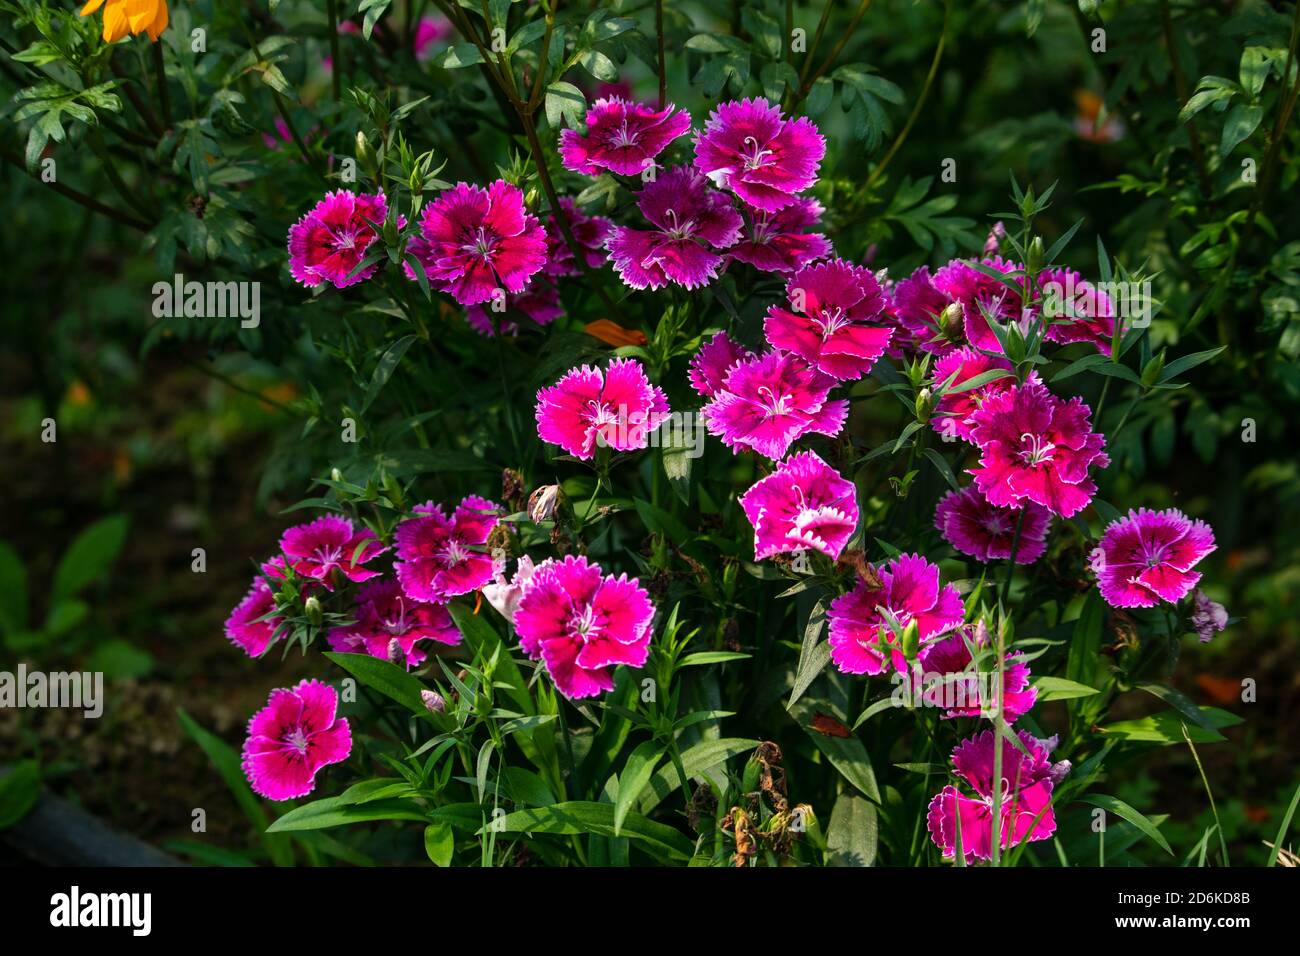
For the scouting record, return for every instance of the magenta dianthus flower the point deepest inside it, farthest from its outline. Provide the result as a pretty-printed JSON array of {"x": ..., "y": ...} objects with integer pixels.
[
  {"x": 768, "y": 402},
  {"x": 440, "y": 557},
  {"x": 583, "y": 623},
  {"x": 619, "y": 408},
  {"x": 954, "y": 408},
  {"x": 804, "y": 504},
  {"x": 749, "y": 147},
  {"x": 389, "y": 625},
  {"x": 292, "y": 738},
  {"x": 1024, "y": 794},
  {"x": 327, "y": 243},
  {"x": 1076, "y": 310},
  {"x": 1148, "y": 556},
  {"x": 473, "y": 241},
  {"x": 690, "y": 222},
  {"x": 331, "y": 544},
  {"x": 863, "y": 621},
  {"x": 1035, "y": 447},
  {"x": 944, "y": 676},
  {"x": 714, "y": 360},
  {"x": 984, "y": 531},
  {"x": 622, "y": 137},
  {"x": 828, "y": 323},
  {"x": 589, "y": 232},
  {"x": 248, "y": 627},
  {"x": 781, "y": 241}
]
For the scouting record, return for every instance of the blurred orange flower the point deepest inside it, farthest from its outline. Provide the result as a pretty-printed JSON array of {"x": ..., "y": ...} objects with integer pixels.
[
  {"x": 130, "y": 16},
  {"x": 614, "y": 334}
]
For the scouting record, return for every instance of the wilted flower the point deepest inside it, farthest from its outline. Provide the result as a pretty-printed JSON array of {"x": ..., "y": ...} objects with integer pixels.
[
  {"x": 543, "y": 502},
  {"x": 330, "y": 241},
  {"x": 749, "y": 147},
  {"x": 388, "y": 625},
  {"x": 827, "y": 324},
  {"x": 1208, "y": 617},
  {"x": 1024, "y": 794},
  {"x": 331, "y": 543},
  {"x": 292, "y": 738},
  {"x": 619, "y": 407},
  {"x": 1148, "y": 556},
  {"x": 804, "y": 504},
  {"x": 1035, "y": 447},
  {"x": 504, "y": 595},
  {"x": 474, "y": 241},
  {"x": 690, "y": 221},
  {"x": 440, "y": 557},
  {"x": 984, "y": 531},
  {"x": 622, "y": 137},
  {"x": 862, "y": 622},
  {"x": 769, "y": 401},
  {"x": 582, "y": 623}
]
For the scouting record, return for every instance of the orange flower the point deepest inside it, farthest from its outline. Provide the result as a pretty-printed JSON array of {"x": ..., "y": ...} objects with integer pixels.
[
  {"x": 130, "y": 16},
  {"x": 611, "y": 333}
]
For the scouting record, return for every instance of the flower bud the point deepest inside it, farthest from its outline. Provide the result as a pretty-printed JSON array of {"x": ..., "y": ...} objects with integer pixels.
[
  {"x": 911, "y": 640},
  {"x": 924, "y": 405},
  {"x": 433, "y": 702},
  {"x": 313, "y": 609},
  {"x": 951, "y": 321}
]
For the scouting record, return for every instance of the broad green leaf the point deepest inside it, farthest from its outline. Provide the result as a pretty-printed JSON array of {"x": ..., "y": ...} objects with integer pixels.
[
  {"x": 1166, "y": 727},
  {"x": 334, "y": 812},
  {"x": 696, "y": 761},
  {"x": 439, "y": 843},
  {"x": 584, "y": 817},
  {"x": 89, "y": 557},
  {"x": 634, "y": 778},
  {"x": 1058, "y": 688},
  {"x": 854, "y": 833},
  {"x": 386, "y": 678}
]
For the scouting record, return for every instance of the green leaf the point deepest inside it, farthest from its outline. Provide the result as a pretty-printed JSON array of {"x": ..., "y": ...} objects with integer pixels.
[
  {"x": 696, "y": 761},
  {"x": 335, "y": 812},
  {"x": 20, "y": 788},
  {"x": 854, "y": 832},
  {"x": 814, "y": 654},
  {"x": 1058, "y": 688},
  {"x": 1180, "y": 702},
  {"x": 120, "y": 660},
  {"x": 583, "y": 817},
  {"x": 460, "y": 55},
  {"x": 384, "y": 369},
  {"x": 1166, "y": 727},
  {"x": 386, "y": 678},
  {"x": 1281, "y": 831},
  {"x": 226, "y": 761},
  {"x": 1242, "y": 120},
  {"x": 439, "y": 843},
  {"x": 1188, "y": 362},
  {"x": 1122, "y": 809},
  {"x": 634, "y": 778},
  {"x": 565, "y": 105},
  {"x": 599, "y": 65},
  {"x": 711, "y": 657},
  {"x": 89, "y": 557}
]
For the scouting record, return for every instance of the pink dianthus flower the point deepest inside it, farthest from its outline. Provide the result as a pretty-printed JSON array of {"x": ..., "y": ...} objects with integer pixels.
[
  {"x": 804, "y": 504},
  {"x": 749, "y": 147},
  {"x": 440, "y": 557},
  {"x": 619, "y": 408},
  {"x": 327, "y": 243},
  {"x": 292, "y": 738},
  {"x": 389, "y": 625},
  {"x": 984, "y": 531},
  {"x": 1148, "y": 556},
  {"x": 330, "y": 544},
  {"x": 622, "y": 137}
]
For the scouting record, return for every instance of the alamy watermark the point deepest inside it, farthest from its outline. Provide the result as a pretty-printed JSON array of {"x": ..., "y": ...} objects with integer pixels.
[
  {"x": 1082, "y": 299},
  {"x": 208, "y": 300},
  {"x": 71, "y": 690}
]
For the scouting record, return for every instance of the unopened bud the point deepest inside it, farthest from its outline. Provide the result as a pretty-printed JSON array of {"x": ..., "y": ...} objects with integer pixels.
[
  {"x": 950, "y": 322},
  {"x": 924, "y": 405},
  {"x": 433, "y": 702},
  {"x": 911, "y": 640},
  {"x": 313, "y": 609}
]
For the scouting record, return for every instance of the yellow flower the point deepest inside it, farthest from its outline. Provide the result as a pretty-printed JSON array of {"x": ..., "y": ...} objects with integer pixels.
[{"x": 134, "y": 16}]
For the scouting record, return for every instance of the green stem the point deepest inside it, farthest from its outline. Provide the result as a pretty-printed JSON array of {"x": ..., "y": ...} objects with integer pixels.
[
  {"x": 663, "y": 73},
  {"x": 89, "y": 202},
  {"x": 160, "y": 76},
  {"x": 336, "y": 66},
  {"x": 920, "y": 101}
]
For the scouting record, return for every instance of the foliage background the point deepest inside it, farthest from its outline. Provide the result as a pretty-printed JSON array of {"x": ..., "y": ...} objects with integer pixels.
[{"x": 200, "y": 435}]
